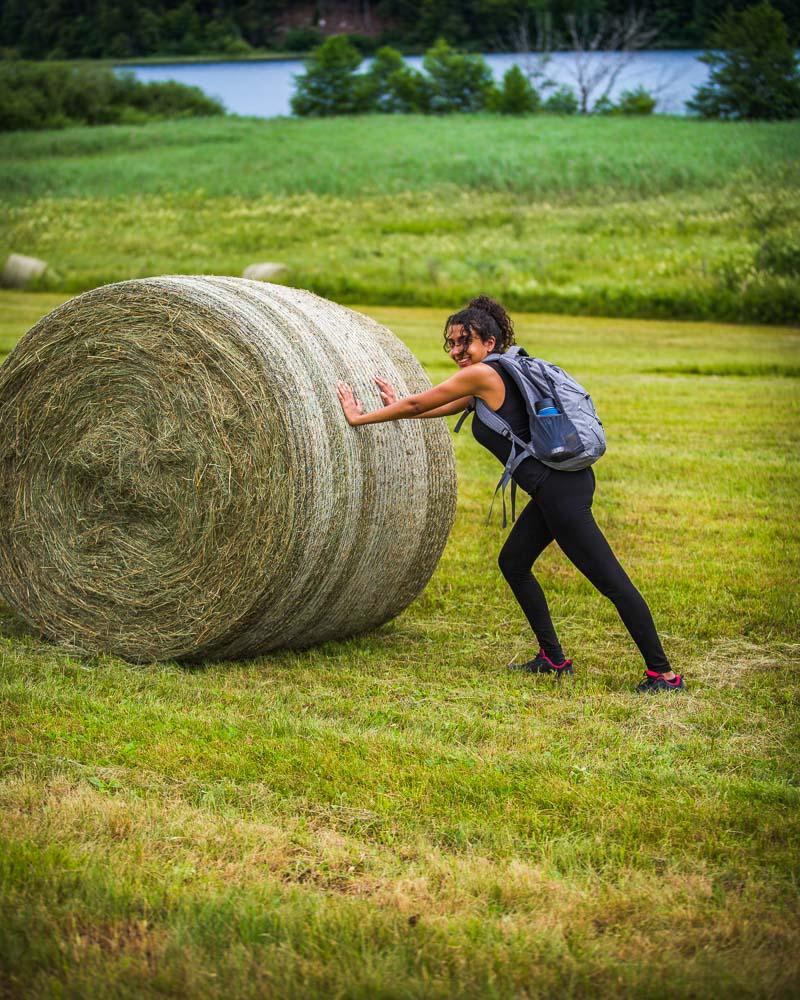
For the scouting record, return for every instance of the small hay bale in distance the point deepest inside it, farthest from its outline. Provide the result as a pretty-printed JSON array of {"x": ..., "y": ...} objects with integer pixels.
[
  {"x": 20, "y": 271},
  {"x": 178, "y": 481},
  {"x": 265, "y": 271}
]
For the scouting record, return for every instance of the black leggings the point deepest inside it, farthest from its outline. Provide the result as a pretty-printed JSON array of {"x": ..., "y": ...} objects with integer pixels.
[{"x": 562, "y": 510}]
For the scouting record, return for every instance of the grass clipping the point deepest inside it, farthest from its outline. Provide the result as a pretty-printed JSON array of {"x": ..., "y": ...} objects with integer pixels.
[{"x": 177, "y": 479}]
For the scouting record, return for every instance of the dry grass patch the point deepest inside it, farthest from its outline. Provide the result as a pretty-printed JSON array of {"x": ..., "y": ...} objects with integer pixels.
[{"x": 165, "y": 839}]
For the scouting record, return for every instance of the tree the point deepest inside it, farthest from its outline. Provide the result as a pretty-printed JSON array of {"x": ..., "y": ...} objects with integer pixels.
[
  {"x": 603, "y": 45},
  {"x": 638, "y": 101},
  {"x": 453, "y": 81},
  {"x": 329, "y": 85},
  {"x": 516, "y": 96},
  {"x": 561, "y": 102},
  {"x": 443, "y": 19},
  {"x": 393, "y": 87},
  {"x": 182, "y": 29},
  {"x": 458, "y": 82},
  {"x": 533, "y": 38},
  {"x": 754, "y": 72}
]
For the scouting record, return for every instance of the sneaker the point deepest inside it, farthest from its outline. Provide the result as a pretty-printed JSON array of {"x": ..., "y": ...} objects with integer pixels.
[
  {"x": 542, "y": 664},
  {"x": 654, "y": 681}
]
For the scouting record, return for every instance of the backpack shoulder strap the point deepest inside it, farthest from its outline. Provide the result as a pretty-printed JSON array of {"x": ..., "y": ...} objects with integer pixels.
[
  {"x": 470, "y": 408},
  {"x": 531, "y": 382},
  {"x": 487, "y": 416},
  {"x": 520, "y": 450}
]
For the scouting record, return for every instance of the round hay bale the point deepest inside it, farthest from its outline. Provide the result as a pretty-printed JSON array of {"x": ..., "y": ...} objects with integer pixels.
[
  {"x": 20, "y": 271},
  {"x": 265, "y": 271},
  {"x": 178, "y": 481}
]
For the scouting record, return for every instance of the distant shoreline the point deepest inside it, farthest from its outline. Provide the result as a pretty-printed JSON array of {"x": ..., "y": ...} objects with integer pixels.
[{"x": 273, "y": 56}]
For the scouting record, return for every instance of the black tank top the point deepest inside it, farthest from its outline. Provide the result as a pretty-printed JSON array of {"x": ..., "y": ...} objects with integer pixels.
[{"x": 531, "y": 473}]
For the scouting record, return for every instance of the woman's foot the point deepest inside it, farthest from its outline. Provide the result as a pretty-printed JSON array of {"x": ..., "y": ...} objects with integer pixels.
[
  {"x": 654, "y": 681},
  {"x": 542, "y": 664}
]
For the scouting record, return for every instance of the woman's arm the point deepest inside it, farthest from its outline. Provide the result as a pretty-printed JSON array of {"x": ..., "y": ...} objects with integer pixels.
[
  {"x": 389, "y": 395},
  {"x": 442, "y": 398},
  {"x": 457, "y": 406}
]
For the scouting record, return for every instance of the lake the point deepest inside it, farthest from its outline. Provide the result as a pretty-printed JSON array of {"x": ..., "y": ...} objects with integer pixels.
[{"x": 263, "y": 88}]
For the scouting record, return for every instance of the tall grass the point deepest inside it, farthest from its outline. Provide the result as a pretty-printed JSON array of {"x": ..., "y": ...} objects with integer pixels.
[
  {"x": 683, "y": 257},
  {"x": 399, "y": 816},
  {"x": 541, "y": 157},
  {"x": 660, "y": 218}
]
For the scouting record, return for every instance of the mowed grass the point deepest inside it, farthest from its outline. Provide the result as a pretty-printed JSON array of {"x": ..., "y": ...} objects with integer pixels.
[
  {"x": 397, "y": 815},
  {"x": 661, "y": 217}
]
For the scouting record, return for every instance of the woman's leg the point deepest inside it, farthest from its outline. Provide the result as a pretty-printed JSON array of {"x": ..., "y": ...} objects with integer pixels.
[
  {"x": 565, "y": 500},
  {"x": 525, "y": 543}
]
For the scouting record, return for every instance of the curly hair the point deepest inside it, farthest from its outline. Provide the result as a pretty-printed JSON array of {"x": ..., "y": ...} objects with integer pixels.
[{"x": 483, "y": 317}]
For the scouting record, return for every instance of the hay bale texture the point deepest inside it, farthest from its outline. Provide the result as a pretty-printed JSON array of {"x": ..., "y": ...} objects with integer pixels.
[{"x": 177, "y": 479}]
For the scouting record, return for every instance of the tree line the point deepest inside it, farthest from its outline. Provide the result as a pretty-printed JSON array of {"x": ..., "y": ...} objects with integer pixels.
[
  {"x": 78, "y": 29},
  {"x": 753, "y": 74},
  {"x": 451, "y": 81}
]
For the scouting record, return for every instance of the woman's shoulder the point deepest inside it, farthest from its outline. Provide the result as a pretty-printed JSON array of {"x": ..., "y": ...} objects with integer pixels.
[{"x": 495, "y": 366}]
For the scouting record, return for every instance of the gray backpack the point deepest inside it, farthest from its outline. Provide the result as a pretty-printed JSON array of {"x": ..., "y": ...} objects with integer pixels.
[{"x": 570, "y": 440}]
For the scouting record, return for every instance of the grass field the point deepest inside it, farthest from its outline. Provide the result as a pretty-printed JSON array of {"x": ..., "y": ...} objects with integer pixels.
[
  {"x": 397, "y": 815},
  {"x": 660, "y": 218}
]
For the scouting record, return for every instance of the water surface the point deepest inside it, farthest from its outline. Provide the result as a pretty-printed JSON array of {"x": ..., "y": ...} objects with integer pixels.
[{"x": 264, "y": 88}]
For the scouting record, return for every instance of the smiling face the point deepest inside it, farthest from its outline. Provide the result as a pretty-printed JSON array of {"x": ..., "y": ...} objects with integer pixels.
[{"x": 466, "y": 348}]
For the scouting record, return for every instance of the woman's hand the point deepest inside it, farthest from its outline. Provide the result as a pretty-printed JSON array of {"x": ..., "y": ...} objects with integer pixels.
[
  {"x": 350, "y": 405},
  {"x": 386, "y": 390},
  {"x": 450, "y": 396}
]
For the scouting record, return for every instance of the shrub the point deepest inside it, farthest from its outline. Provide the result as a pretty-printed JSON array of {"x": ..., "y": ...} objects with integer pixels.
[
  {"x": 631, "y": 102},
  {"x": 604, "y": 106},
  {"x": 301, "y": 39},
  {"x": 24, "y": 109},
  {"x": 222, "y": 35},
  {"x": 458, "y": 81},
  {"x": 237, "y": 47},
  {"x": 329, "y": 85},
  {"x": 780, "y": 255},
  {"x": 515, "y": 96},
  {"x": 754, "y": 74},
  {"x": 169, "y": 99},
  {"x": 365, "y": 45},
  {"x": 562, "y": 102},
  {"x": 636, "y": 102},
  {"x": 392, "y": 87},
  {"x": 42, "y": 95}
]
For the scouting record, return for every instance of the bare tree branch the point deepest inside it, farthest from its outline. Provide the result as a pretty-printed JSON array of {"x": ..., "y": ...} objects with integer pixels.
[
  {"x": 602, "y": 47},
  {"x": 533, "y": 38},
  {"x": 663, "y": 83}
]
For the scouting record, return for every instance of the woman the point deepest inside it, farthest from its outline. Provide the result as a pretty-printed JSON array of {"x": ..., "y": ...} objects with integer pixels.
[{"x": 561, "y": 502}]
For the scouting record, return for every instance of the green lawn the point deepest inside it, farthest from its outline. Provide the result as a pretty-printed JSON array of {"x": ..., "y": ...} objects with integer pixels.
[
  {"x": 399, "y": 816},
  {"x": 660, "y": 217}
]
